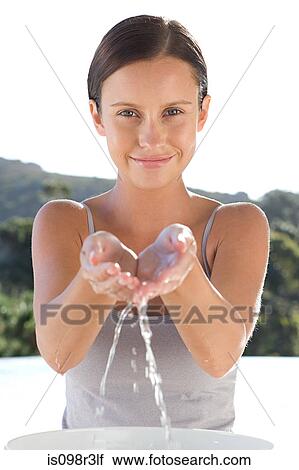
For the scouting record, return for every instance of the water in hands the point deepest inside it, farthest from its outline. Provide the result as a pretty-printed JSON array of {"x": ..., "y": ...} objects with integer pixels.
[{"x": 112, "y": 268}]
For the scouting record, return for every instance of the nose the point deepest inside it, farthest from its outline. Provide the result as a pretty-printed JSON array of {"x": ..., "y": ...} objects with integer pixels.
[{"x": 152, "y": 134}]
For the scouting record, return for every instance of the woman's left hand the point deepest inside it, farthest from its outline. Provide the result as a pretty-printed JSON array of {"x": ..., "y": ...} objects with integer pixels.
[{"x": 164, "y": 264}]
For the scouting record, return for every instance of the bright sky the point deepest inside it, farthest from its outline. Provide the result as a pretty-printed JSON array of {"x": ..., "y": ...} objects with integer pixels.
[{"x": 251, "y": 147}]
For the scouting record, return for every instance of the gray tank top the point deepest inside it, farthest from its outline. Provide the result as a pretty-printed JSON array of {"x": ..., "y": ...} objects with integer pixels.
[{"x": 193, "y": 398}]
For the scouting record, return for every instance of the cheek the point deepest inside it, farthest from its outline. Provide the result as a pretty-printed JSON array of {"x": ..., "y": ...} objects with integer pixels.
[
  {"x": 184, "y": 138},
  {"x": 119, "y": 140},
  {"x": 184, "y": 132}
]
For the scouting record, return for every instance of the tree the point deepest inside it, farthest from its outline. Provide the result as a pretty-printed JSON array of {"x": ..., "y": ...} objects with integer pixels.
[
  {"x": 15, "y": 254},
  {"x": 54, "y": 189}
]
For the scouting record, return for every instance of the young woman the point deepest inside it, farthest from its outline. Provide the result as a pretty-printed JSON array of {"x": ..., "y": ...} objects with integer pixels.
[{"x": 147, "y": 87}]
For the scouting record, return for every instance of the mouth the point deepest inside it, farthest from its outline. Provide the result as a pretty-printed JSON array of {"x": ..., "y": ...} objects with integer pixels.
[
  {"x": 153, "y": 158},
  {"x": 153, "y": 161}
]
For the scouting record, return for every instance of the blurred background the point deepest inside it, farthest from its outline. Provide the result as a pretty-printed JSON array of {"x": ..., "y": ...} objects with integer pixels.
[
  {"x": 25, "y": 187},
  {"x": 49, "y": 150}
]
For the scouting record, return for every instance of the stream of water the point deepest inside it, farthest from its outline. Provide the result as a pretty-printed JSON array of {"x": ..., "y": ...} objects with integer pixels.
[{"x": 151, "y": 371}]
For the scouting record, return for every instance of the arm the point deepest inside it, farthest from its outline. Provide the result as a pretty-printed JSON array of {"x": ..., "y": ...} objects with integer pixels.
[
  {"x": 58, "y": 279},
  {"x": 224, "y": 309}
]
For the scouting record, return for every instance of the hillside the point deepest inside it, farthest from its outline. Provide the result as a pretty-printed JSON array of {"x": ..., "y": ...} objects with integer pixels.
[{"x": 22, "y": 188}]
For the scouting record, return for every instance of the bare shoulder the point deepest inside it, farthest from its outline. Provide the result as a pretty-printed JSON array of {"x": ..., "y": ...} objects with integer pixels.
[
  {"x": 231, "y": 221},
  {"x": 240, "y": 218},
  {"x": 228, "y": 215},
  {"x": 63, "y": 216},
  {"x": 240, "y": 213},
  {"x": 55, "y": 247},
  {"x": 67, "y": 207}
]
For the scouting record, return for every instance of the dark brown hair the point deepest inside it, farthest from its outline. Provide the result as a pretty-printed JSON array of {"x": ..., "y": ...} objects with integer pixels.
[{"x": 144, "y": 37}]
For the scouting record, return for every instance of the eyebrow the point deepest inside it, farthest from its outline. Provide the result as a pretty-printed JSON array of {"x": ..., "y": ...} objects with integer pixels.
[{"x": 122, "y": 103}]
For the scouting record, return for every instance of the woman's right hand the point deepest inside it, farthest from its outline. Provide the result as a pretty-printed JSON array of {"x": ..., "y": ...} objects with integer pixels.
[{"x": 109, "y": 266}]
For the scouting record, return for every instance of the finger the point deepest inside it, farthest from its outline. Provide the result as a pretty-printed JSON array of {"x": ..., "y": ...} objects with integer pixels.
[
  {"x": 125, "y": 278},
  {"x": 102, "y": 271},
  {"x": 181, "y": 244},
  {"x": 185, "y": 235},
  {"x": 185, "y": 239},
  {"x": 129, "y": 285},
  {"x": 136, "y": 282},
  {"x": 94, "y": 258},
  {"x": 133, "y": 283},
  {"x": 122, "y": 292},
  {"x": 123, "y": 286},
  {"x": 113, "y": 268},
  {"x": 105, "y": 286}
]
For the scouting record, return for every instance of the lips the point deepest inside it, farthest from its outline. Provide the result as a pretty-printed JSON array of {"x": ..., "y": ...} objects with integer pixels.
[
  {"x": 152, "y": 158},
  {"x": 152, "y": 162}
]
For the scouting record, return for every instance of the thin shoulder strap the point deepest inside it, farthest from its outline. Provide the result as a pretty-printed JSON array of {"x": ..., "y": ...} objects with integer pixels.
[
  {"x": 205, "y": 239},
  {"x": 90, "y": 219}
]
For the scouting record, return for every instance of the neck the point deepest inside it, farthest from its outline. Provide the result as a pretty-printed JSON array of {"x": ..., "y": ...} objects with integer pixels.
[{"x": 149, "y": 209}]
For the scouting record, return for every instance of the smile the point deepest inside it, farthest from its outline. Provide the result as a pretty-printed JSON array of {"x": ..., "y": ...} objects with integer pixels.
[{"x": 152, "y": 163}]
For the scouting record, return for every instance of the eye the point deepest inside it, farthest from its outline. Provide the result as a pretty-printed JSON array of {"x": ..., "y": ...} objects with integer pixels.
[
  {"x": 125, "y": 111},
  {"x": 130, "y": 111},
  {"x": 175, "y": 109}
]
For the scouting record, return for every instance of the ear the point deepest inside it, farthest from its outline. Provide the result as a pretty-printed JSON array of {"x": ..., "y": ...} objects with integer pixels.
[
  {"x": 203, "y": 113},
  {"x": 97, "y": 118}
]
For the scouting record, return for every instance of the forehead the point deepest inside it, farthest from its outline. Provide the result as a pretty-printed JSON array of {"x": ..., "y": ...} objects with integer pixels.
[{"x": 164, "y": 76}]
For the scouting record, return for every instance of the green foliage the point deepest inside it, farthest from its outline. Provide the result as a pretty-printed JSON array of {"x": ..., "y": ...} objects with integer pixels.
[
  {"x": 17, "y": 334},
  {"x": 282, "y": 206},
  {"x": 277, "y": 329},
  {"x": 25, "y": 187},
  {"x": 276, "y": 332},
  {"x": 15, "y": 254},
  {"x": 284, "y": 267},
  {"x": 53, "y": 189}
]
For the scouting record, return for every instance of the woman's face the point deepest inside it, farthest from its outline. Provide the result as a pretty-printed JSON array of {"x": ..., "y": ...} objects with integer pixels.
[{"x": 154, "y": 122}]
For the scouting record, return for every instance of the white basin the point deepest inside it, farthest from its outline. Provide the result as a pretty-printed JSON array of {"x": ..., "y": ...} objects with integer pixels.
[{"x": 136, "y": 438}]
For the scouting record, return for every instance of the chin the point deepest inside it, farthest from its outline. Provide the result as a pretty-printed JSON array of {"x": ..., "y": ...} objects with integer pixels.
[{"x": 150, "y": 184}]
